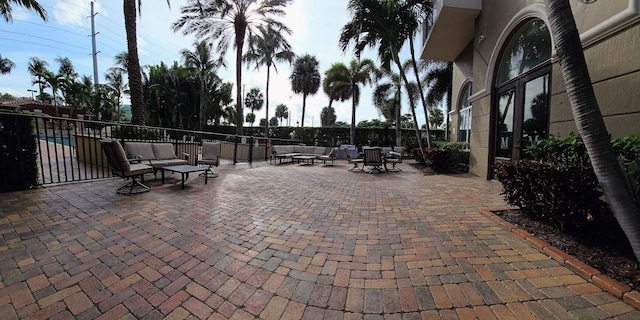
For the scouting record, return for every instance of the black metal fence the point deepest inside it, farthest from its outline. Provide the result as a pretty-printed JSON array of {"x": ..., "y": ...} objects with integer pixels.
[{"x": 69, "y": 150}]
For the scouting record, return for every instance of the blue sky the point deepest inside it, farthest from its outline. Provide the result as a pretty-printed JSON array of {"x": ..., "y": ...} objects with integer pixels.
[{"x": 315, "y": 24}]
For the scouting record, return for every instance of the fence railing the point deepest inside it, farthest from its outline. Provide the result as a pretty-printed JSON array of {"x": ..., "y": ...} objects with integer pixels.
[{"x": 69, "y": 150}]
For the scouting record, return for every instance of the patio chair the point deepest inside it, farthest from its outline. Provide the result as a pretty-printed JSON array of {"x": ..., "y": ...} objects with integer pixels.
[
  {"x": 122, "y": 167},
  {"x": 373, "y": 159},
  {"x": 355, "y": 162},
  {"x": 210, "y": 157},
  {"x": 394, "y": 158},
  {"x": 331, "y": 156}
]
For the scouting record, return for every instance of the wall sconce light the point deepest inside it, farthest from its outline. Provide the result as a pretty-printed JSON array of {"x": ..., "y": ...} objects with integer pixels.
[
  {"x": 587, "y": 1},
  {"x": 480, "y": 38}
]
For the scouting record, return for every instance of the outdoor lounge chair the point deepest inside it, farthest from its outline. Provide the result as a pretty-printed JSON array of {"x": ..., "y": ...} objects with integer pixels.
[
  {"x": 373, "y": 159},
  {"x": 210, "y": 157},
  {"x": 355, "y": 162},
  {"x": 394, "y": 158},
  {"x": 121, "y": 166},
  {"x": 329, "y": 157}
]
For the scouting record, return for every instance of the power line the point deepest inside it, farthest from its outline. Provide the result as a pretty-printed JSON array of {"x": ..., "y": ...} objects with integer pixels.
[{"x": 43, "y": 45}]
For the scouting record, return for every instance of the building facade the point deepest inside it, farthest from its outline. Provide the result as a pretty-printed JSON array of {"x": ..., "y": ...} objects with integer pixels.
[{"x": 507, "y": 85}]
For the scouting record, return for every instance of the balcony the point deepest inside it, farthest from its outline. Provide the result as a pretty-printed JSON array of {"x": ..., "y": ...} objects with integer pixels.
[{"x": 450, "y": 30}]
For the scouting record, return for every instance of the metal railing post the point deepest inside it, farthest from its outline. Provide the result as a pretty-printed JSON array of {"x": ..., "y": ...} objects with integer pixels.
[
  {"x": 235, "y": 149},
  {"x": 251, "y": 142}
]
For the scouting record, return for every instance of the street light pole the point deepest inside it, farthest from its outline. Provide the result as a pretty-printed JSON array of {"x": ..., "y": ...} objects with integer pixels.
[{"x": 32, "y": 93}]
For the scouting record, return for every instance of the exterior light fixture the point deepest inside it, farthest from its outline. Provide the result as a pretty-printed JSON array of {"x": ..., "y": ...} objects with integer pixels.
[{"x": 587, "y": 1}]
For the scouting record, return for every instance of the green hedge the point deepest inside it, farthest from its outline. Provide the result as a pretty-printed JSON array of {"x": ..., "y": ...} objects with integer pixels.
[{"x": 18, "y": 153}]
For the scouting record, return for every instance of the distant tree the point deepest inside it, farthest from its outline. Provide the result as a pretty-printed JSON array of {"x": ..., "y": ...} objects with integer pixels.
[
  {"x": 254, "y": 100},
  {"x": 436, "y": 118},
  {"x": 305, "y": 79},
  {"x": 5, "y": 8},
  {"x": 6, "y": 65},
  {"x": 53, "y": 81},
  {"x": 263, "y": 122},
  {"x": 346, "y": 80},
  {"x": 226, "y": 22},
  {"x": 273, "y": 121},
  {"x": 251, "y": 118},
  {"x": 341, "y": 124},
  {"x": 328, "y": 116},
  {"x": 282, "y": 112},
  {"x": 37, "y": 68},
  {"x": 118, "y": 87},
  {"x": 267, "y": 48},
  {"x": 202, "y": 63}
]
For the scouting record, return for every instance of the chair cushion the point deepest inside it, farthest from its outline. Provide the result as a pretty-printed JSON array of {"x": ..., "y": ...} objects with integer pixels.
[
  {"x": 121, "y": 156},
  {"x": 142, "y": 149},
  {"x": 210, "y": 150},
  {"x": 163, "y": 151}
]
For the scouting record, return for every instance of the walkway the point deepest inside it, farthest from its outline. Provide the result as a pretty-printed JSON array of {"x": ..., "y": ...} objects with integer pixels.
[{"x": 281, "y": 242}]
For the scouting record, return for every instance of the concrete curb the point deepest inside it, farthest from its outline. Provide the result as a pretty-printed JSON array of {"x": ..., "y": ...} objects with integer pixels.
[{"x": 604, "y": 282}]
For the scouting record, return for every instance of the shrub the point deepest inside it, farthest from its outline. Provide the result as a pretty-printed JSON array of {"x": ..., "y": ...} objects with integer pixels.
[
  {"x": 446, "y": 157},
  {"x": 566, "y": 196},
  {"x": 18, "y": 153}
]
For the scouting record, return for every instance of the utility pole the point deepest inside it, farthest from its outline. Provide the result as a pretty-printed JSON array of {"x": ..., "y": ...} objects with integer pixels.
[{"x": 93, "y": 43}]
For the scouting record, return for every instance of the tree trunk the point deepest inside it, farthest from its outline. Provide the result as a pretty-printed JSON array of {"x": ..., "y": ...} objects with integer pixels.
[
  {"x": 266, "y": 125},
  {"x": 304, "y": 105},
  {"x": 411, "y": 102},
  {"x": 202, "y": 95},
  {"x": 133, "y": 65},
  {"x": 239, "y": 104},
  {"x": 588, "y": 119},
  {"x": 424, "y": 101},
  {"x": 352, "y": 130},
  {"x": 399, "y": 116}
]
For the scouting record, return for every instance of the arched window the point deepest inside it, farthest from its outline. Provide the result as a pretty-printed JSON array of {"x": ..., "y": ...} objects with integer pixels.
[
  {"x": 521, "y": 94},
  {"x": 464, "y": 114}
]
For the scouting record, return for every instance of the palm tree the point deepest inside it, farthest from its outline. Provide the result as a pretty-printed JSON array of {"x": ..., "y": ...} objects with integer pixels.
[
  {"x": 133, "y": 63},
  {"x": 282, "y": 112},
  {"x": 54, "y": 81},
  {"x": 200, "y": 61},
  {"x": 117, "y": 86},
  {"x": 6, "y": 65},
  {"x": 265, "y": 49},
  {"x": 228, "y": 21},
  {"x": 345, "y": 82},
  {"x": 305, "y": 78},
  {"x": 5, "y": 8},
  {"x": 387, "y": 98},
  {"x": 328, "y": 116},
  {"x": 439, "y": 79},
  {"x": 589, "y": 121},
  {"x": 38, "y": 68},
  {"x": 382, "y": 24},
  {"x": 251, "y": 118},
  {"x": 254, "y": 101}
]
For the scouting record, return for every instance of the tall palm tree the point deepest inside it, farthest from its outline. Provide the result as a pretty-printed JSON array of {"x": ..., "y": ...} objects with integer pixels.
[
  {"x": 305, "y": 79},
  {"x": 116, "y": 84},
  {"x": 282, "y": 112},
  {"x": 328, "y": 116},
  {"x": 380, "y": 23},
  {"x": 54, "y": 81},
  {"x": 133, "y": 62},
  {"x": 200, "y": 61},
  {"x": 229, "y": 21},
  {"x": 38, "y": 67},
  {"x": 347, "y": 80},
  {"x": 5, "y": 8},
  {"x": 6, "y": 65},
  {"x": 387, "y": 98},
  {"x": 69, "y": 75},
  {"x": 266, "y": 49},
  {"x": 438, "y": 77},
  {"x": 589, "y": 121},
  {"x": 254, "y": 101}
]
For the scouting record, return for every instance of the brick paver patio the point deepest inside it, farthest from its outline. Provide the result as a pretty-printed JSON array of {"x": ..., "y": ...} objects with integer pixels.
[{"x": 281, "y": 242}]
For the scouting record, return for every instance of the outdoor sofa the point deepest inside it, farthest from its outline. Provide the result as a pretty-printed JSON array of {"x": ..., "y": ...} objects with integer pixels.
[
  {"x": 155, "y": 154},
  {"x": 287, "y": 152}
]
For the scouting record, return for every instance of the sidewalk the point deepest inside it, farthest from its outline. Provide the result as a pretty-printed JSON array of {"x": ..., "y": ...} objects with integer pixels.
[{"x": 281, "y": 242}]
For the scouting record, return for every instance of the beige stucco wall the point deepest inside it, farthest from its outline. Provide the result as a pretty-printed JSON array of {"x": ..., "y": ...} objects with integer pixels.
[{"x": 616, "y": 80}]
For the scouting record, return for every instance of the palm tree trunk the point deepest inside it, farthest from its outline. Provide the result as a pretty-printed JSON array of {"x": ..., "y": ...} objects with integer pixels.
[
  {"x": 201, "y": 102},
  {"x": 588, "y": 119},
  {"x": 239, "y": 104},
  {"x": 304, "y": 105},
  {"x": 411, "y": 102},
  {"x": 133, "y": 65},
  {"x": 399, "y": 116},
  {"x": 266, "y": 125},
  {"x": 352, "y": 130},
  {"x": 424, "y": 101}
]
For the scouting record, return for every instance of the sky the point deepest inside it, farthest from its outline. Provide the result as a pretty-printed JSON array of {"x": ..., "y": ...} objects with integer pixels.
[{"x": 315, "y": 29}]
